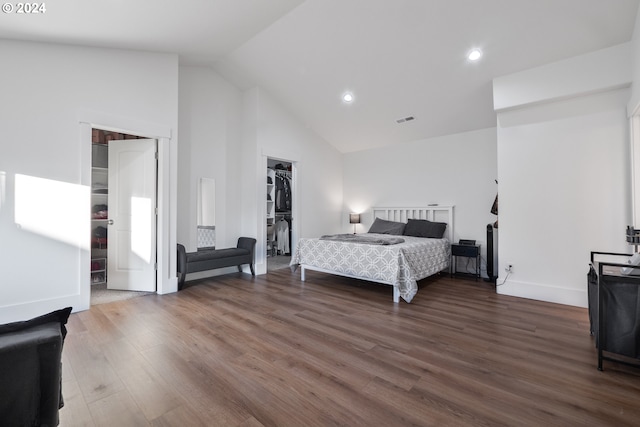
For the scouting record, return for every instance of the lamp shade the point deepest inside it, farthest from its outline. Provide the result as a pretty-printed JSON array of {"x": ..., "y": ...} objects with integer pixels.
[{"x": 354, "y": 218}]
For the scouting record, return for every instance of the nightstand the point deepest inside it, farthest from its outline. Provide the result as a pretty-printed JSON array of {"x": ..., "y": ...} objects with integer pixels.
[{"x": 466, "y": 251}]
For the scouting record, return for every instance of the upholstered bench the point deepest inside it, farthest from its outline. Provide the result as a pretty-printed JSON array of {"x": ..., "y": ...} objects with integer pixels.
[{"x": 210, "y": 259}]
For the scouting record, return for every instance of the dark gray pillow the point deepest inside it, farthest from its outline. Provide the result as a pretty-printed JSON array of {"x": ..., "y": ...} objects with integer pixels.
[
  {"x": 382, "y": 226},
  {"x": 59, "y": 316},
  {"x": 425, "y": 228}
]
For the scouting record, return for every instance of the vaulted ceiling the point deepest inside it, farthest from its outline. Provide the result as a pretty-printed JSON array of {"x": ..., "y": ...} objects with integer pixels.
[{"x": 399, "y": 58}]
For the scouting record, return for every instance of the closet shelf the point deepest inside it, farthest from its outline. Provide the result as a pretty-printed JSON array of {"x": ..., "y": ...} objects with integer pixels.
[{"x": 99, "y": 209}]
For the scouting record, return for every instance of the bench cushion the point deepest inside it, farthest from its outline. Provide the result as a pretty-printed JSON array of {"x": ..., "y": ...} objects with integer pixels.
[{"x": 215, "y": 254}]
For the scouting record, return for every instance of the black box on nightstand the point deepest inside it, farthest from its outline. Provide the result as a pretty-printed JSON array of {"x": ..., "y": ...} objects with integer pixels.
[
  {"x": 467, "y": 251},
  {"x": 470, "y": 251}
]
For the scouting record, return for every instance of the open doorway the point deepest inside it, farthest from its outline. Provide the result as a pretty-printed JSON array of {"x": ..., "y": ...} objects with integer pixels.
[
  {"x": 279, "y": 239},
  {"x": 123, "y": 248}
]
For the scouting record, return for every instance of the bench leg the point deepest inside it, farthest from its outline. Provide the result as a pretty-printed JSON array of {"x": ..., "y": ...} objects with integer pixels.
[
  {"x": 181, "y": 277},
  {"x": 253, "y": 273}
]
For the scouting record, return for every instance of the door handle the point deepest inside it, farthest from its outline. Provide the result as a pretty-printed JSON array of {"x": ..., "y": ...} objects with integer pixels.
[{"x": 110, "y": 222}]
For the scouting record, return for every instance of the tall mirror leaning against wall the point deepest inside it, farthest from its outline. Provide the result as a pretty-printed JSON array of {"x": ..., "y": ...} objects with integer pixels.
[{"x": 206, "y": 209}]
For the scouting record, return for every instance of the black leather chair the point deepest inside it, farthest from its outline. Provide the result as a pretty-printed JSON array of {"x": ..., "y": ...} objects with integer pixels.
[{"x": 31, "y": 370}]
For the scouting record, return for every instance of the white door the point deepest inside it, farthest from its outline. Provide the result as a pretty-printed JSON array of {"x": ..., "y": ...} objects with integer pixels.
[{"x": 131, "y": 248}]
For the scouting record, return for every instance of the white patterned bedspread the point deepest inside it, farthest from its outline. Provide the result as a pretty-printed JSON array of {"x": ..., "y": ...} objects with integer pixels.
[{"x": 400, "y": 265}]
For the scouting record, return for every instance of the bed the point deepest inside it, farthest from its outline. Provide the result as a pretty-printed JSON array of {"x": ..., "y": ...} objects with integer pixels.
[{"x": 399, "y": 265}]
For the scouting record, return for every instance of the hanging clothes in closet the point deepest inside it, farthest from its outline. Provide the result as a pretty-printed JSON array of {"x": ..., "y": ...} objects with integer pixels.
[
  {"x": 282, "y": 236},
  {"x": 283, "y": 189}
]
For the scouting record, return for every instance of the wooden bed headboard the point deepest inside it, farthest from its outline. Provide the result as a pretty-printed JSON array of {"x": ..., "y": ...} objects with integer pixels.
[{"x": 438, "y": 213}]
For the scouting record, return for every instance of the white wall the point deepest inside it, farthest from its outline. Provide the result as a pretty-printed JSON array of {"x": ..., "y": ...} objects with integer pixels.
[
  {"x": 209, "y": 108},
  {"x": 271, "y": 131},
  {"x": 564, "y": 176},
  {"x": 46, "y": 89},
  {"x": 457, "y": 170},
  {"x": 633, "y": 110},
  {"x": 210, "y": 144},
  {"x": 593, "y": 72},
  {"x": 634, "y": 100}
]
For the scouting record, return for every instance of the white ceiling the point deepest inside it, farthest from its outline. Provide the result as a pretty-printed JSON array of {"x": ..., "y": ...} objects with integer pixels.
[{"x": 398, "y": 57}]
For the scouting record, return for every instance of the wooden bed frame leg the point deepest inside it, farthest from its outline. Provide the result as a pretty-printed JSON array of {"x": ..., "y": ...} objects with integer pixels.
[{"x": 396, "y": 294}]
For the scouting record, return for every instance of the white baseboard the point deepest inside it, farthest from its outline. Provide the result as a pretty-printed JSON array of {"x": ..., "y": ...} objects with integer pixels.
[
  {"x": 31, "y": 309},
  {"x": 541, "y": 292}
]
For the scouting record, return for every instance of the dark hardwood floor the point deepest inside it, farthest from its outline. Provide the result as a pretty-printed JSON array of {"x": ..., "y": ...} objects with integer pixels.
[{"x": 236, "y": 350}]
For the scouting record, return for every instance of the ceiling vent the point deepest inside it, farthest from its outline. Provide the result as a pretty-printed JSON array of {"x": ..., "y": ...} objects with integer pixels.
[{"x": 405, "y": 119}]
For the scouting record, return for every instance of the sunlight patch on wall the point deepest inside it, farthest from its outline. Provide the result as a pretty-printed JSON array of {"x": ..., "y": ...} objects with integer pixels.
[
  {"x": 54, "y": 209},
  {"x": 141, "y": 227}
]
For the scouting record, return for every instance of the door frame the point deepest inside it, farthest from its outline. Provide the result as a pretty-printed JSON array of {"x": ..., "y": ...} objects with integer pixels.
[
  {"x": 166, "y": 278},
  {"x": 261, "y": 246}
]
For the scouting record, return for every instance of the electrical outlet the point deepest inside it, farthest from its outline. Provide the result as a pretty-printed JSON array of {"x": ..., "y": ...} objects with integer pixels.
[{"x": 509, "y": 269}]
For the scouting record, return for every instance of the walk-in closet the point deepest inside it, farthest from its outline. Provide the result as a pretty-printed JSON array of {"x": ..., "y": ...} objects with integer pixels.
[
  {"x": 101, "y": 291},
  {"x": 279, "y": 213}
]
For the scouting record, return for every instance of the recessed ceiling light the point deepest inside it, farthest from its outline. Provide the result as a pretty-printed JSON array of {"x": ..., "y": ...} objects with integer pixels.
[
  {"x": 474, "y": 55},
  {"x": 347, "y": 97}
]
